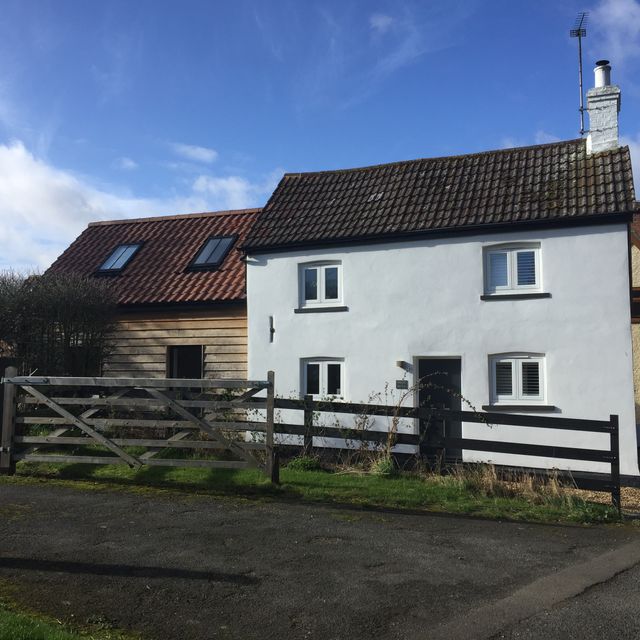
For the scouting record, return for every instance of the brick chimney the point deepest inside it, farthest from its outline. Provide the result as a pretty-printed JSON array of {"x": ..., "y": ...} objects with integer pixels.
[{"x": 603, "y": 105}]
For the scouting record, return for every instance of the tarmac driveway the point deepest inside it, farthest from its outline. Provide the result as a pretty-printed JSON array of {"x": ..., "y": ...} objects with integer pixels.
[{"x": 174, "y": 566}]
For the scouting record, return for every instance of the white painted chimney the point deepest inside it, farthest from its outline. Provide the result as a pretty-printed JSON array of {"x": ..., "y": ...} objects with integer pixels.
[{"x": 603, "y": 105}]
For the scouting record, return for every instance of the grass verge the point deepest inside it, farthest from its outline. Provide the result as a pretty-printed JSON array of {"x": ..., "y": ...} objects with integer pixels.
[
  {"x": 455, "y": 494},
  {"x": 15, "y": 625}
]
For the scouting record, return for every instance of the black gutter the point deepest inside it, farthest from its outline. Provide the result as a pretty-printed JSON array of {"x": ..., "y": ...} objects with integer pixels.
[{"x": 477, "y": 229}]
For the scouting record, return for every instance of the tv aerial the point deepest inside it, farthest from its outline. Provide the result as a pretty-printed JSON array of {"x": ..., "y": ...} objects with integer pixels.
[{"x": 580, "y": 31}]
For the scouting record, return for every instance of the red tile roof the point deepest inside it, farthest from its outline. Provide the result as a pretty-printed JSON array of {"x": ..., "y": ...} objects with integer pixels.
[
  {"x": 551, "y": 182},
  {"x": 158, "y": 274}
]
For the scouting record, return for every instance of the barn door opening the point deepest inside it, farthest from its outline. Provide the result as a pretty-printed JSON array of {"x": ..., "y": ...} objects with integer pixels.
[{"x": 185, "y": 361}]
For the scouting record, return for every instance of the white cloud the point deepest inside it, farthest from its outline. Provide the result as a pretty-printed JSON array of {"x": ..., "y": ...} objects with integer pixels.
[
  {"x": 234, "y": 192},
  {"x": 43, "y": 208},
  {"x": 195, "y": 153},
  {"x": 380, "y": 22},
  {"x": 126, "y": 164},
  {"x": 617, "y": 22},
  {"x": 542, "y": 137}
]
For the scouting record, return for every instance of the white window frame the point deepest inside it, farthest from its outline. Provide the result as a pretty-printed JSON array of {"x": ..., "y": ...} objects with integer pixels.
[
  {"x": 323, "y": 364},
  {"x": 517, "y": 396},
  {"x": 321, "y": 300},
  {"x": 511, "y": 251}
]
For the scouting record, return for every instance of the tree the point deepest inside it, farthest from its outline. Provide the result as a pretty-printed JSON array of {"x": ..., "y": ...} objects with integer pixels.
[{"x": 56, "y": 324}]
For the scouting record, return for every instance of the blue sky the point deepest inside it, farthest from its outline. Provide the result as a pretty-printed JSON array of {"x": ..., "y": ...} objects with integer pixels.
[{"x": 126, "y": 109}]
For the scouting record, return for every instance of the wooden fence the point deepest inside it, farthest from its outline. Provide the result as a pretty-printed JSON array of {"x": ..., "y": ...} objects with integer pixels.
[
  {"x": 427, "y": 442},
  {"x": 90, "y": 415}
]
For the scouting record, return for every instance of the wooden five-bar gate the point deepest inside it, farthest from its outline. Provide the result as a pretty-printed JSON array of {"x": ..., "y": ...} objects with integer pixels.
[{"x": 90, "y": 416}]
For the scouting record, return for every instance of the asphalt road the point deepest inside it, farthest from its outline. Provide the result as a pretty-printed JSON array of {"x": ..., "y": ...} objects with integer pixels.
[{"x": 174, "y": 566}]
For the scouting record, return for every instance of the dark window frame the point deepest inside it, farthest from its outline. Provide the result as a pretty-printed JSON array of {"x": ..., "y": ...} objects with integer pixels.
[
  {"x": 212, "y": 266},
  {"x": 114, "y": 272}
]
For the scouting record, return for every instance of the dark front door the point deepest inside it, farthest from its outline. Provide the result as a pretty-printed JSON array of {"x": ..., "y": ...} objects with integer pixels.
[{"x": 440, "y": 387}]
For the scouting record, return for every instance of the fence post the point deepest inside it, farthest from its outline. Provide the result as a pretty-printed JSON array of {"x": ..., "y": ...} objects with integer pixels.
[
  {"x": 308, "y": 426},
  {"x": 7, "y": 466},
  {"x": 615, "y": 462},
  {"x": 273, "y": 459}
]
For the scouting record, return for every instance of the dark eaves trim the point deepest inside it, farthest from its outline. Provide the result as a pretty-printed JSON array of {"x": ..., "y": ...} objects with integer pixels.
[
  {"x": 549, "y": 223},
  {"x": 179, "y": 306}
]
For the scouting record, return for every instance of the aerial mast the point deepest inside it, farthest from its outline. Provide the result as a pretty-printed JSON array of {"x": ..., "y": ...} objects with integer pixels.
[{"x": 579, "y": 31}]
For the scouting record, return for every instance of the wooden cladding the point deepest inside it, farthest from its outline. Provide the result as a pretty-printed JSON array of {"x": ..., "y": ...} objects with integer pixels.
[{"x": 142, "y": 340}]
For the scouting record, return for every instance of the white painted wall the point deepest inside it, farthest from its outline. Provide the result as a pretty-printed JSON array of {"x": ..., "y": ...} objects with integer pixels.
[{"x": 422, "y": 298}]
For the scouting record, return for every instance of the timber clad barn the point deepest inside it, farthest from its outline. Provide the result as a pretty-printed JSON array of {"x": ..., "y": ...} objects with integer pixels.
[{"x": 180, "y": 286}]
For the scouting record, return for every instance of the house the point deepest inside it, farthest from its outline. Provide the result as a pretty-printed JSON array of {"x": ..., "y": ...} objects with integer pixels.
[
  {"x": 502, "y": 278},
  {"x": 180, "y": 286}
]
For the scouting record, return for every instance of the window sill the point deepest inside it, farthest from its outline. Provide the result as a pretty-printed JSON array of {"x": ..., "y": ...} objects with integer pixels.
[
  {"x": 320, "y": 309},
  {"x": 514, "y": 296},
  {"x": 519, "y": 407}
]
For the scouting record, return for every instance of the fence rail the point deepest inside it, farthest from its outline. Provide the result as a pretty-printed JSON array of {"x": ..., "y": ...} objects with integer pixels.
[{"x": 424, "y": 441}]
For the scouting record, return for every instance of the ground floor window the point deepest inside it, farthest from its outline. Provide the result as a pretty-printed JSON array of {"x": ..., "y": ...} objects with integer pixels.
[
  {"x": 323, "y": 377},
  {"x": 517, "y": 377},
  {"x": 185, "y": 361}
]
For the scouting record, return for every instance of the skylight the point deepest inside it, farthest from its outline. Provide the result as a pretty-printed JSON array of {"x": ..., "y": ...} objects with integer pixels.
[
  {"x": 119, "y": 258},
  {"x": 213, "y": 252}
]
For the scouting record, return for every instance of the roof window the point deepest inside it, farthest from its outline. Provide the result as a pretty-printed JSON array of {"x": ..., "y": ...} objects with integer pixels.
[
  {"x": 119, "y": 258},
  {"x": 213, "y": 252}
]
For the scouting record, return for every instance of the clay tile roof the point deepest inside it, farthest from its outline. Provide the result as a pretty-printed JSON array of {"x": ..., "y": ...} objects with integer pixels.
[
  {"x": 522, "y": 185},
  {"x": 157, "y": 274}
]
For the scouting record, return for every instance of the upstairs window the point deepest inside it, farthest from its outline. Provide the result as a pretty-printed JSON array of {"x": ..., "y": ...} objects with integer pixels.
[
  {"x": 513, "y": 268},
  {"x": 323, "y": 378},
  {"x": 119, "y": 258},
  {"x": 213, "y": 253},
  {"x": 517, "y": 378},
  {"x": 321, "y": 284}
]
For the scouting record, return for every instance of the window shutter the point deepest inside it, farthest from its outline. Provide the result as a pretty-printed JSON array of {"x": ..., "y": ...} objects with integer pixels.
[
  {"x": 526, "y": 268},
  {"x": 531, "y": 378},
  {"x": 504, "y": 378}
]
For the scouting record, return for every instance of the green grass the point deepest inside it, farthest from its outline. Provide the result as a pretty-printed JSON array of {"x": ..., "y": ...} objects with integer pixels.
[
  {"x": 404, "y": 491},
  {"x": 22, "y": 626}
]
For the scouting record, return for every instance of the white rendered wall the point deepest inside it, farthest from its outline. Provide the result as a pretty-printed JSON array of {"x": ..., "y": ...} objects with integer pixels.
[{"x": 422, "y": 299}]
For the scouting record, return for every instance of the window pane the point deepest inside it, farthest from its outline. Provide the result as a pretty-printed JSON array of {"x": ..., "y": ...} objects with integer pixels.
[
  {"x": 331, "y": 283},
  {"x": 526, "y": 267},
  {"x": 333, "y": 379},
  {"x": 498, "y": 272},
  {"x": 530, "y": 378},
  {"x": 120, "y": 256},
  {"x": 123, "y": 258},
  {"x": 310, "y": 284},
  {"x": 313, "y": 379},
  {"x": 203, "y": 256},
  {"x": 504, "y": 379},
  {"x": 219, "y": 251},
  {"x": 108, "y": 263}
]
